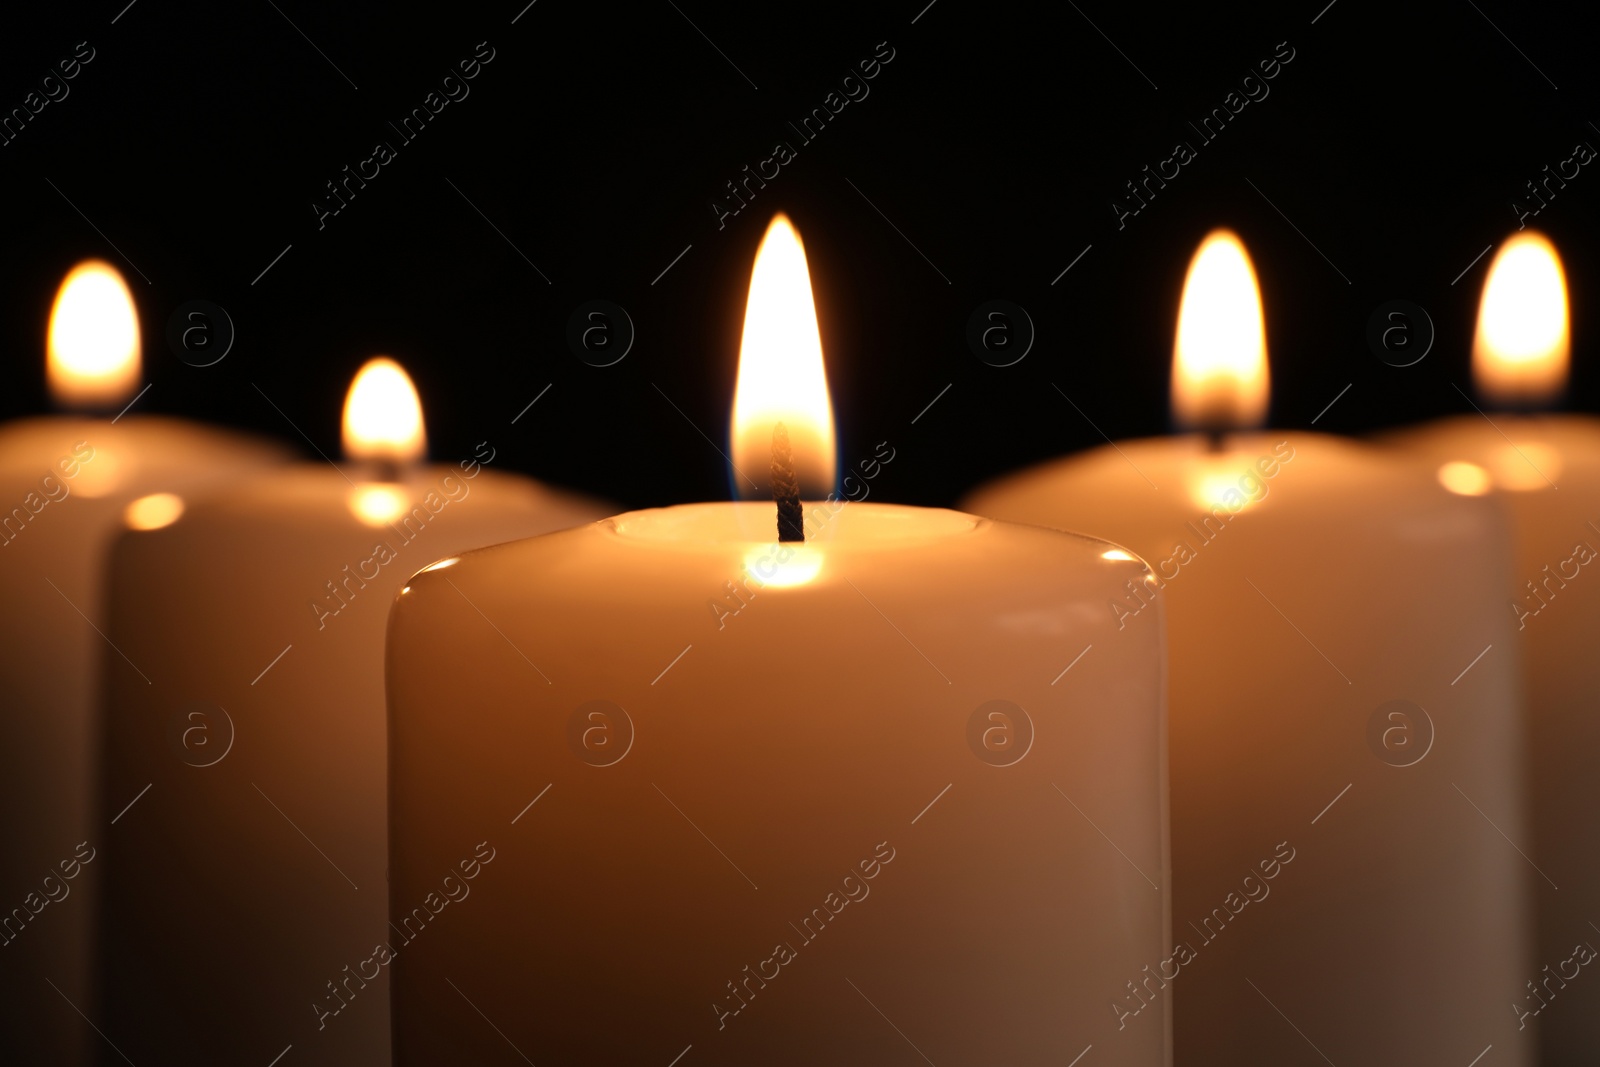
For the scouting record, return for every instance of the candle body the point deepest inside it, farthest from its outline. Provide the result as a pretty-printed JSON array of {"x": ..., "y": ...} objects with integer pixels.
[
  {"x": 822, "y": 810},
  {"x": 250, "y": 879},
  {"x": 1547, "y": 470},
  {"x": 1326, "y": 584},
  {"x": 64, "y": 485}
]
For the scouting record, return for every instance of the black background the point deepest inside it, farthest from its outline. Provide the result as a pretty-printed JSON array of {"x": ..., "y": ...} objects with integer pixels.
[{"x": 196, "y": 141}]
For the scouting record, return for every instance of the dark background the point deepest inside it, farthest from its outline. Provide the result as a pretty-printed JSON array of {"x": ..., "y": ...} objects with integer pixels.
[{"x": 199, "y": 136}]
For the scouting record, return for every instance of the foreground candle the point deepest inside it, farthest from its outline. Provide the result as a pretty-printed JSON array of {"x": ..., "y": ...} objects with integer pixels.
[
  {"x": 1545, "y": 469},
  {"x": 894, "y": 791},
  {"x": 253, "y": 764},
  {"x": 67, "y": 486},
  {"x": 1343, "y": 715}
]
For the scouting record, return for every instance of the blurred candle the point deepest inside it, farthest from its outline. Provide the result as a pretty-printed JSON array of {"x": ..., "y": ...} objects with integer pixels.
[
  {"x": 1545, "y": 470},
  {"x": 895, "y": 790},
  {"x": 68, "y": 484},
  {"x": 1329, "y": 609},
  {"x": 258, "y": 616}
]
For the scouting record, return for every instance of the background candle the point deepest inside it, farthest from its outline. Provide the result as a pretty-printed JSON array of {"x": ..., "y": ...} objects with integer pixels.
[
  {"x": 1341, "y": 683},
  {"x": 1520, "y": 358},
  {"x": 250, "y": 873},
  {"x": 68, "y": 484},
  {"x": 900, "y": 784}
]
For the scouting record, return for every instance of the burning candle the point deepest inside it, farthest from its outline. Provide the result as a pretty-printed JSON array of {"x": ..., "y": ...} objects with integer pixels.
[
  {"x": 1545, "y": 470},
  {"x": 68, "y": 484},
  {"x": 893, "y": 787},
  {"x": 254, "y": 759},
  {"x": 1343, "y": 708}
]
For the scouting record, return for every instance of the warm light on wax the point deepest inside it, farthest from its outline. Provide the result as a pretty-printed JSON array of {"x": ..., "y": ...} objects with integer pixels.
[
  {"x": 1465, "y": 479},
  {"x": 781, "y": 373},
  {"x": 1219, "y": 360},
  {"x": 1519, "y": 355},
  {"x": 154, "y": 511},
  {"x": 94, "y": 353},
  {"x": 379, "y": 503}
]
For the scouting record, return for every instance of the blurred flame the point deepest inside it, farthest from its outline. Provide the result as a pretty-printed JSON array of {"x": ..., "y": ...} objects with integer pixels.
[
  {"x": 1464, "y": 479},
  {"x": 379, "y": 503},
  {"x": 1219, "y": 360},
  {"x": 781, "y": 374},
  {"x": 382, "y": 414},
  {"x": 154, "y": 511},
  {"x": 93, "y": 350},
  {"x": 1520, "y": 352}
]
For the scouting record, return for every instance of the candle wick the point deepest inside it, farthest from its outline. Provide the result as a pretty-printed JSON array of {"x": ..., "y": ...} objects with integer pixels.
[
  {"x": 1216, "y": 439},
  {"x": 786, "y": 487}
]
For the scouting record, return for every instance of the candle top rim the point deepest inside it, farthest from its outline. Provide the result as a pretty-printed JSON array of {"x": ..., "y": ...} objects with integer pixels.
[
  {"x": 148, "y": 441},
  {"x": 1161, "y": 472},
  {"x": 913, "y": 555},
  {"x": 754, "y": 522}
]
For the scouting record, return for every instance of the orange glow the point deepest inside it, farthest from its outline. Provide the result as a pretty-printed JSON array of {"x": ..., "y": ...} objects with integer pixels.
[
  {"x": 104, "y": 476},
  {"x": 781, "y": 373},
  {"x": 379, "y": 503},
  {"x": 1465, "y": 479},
  {"x": 1219, "y": 360},
  {"x": 154, "y": 511},
  {"x": 1519, "y": 355},
  {"x": 1522, "y": 466},
  {"x": 783, "y": 566},
  {"x": 382, "y": 415},
  {"x": 93, "y": 355},
  {"x": 1213, "y": 484}
]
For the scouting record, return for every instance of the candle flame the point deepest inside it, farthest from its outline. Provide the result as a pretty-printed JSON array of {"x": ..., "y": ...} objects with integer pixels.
[
  {"x": 93, "y": 351},
  {"x": 781, "y": 373},
  {"x": 1519, "y": 355},
  {"x": 382, "y": 415},
  {"x": 1219, "y": 360}
]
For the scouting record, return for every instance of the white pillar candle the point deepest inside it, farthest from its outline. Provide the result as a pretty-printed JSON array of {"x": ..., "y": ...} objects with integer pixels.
[
  {"x": 1310, "y": 584},
  {"x": 68, "y": 484},
  {"x": 257, "y": 753},
  {"x": 1545, "y": 471},
  {"x": 892, "y": 793}
]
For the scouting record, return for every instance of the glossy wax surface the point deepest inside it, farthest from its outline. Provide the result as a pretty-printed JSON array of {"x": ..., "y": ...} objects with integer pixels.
[
  {"x": 1546, "y": 474},
  {"x": 763, "y": 817},
  {"x": 1309, "y": 583},
  {"x": 259, "y": 619},
  {"x": 64, "y": 485}
]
